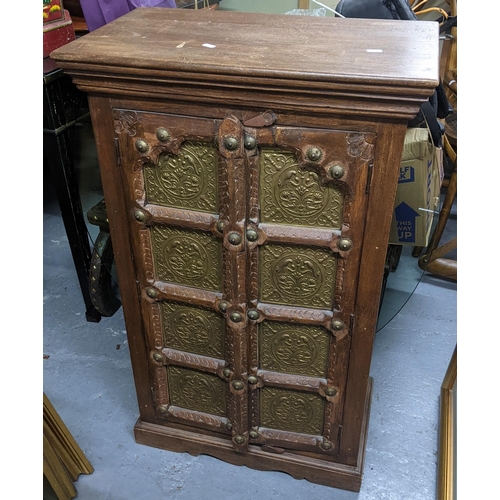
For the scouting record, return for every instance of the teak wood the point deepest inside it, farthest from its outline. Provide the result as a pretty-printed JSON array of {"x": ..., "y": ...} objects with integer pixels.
[{"x": 249, "y": 165}]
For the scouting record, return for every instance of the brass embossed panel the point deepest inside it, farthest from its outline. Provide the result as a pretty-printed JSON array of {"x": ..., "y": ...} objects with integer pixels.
[
  {"x": 186, "y": 257},
  {"x": 196, "y": 391},
  {"x": 193, "y": 329},
  {"x": 293, "y": 411},
  {"x": 293, "y": 195},
  {"x": 187, "y": 180},
  {"x": 297, "y": 276},
  {"x": 296, "y": 349}
]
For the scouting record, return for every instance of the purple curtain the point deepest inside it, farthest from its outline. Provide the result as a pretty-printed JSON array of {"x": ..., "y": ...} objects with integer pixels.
[{"x": 97, "y": 13}]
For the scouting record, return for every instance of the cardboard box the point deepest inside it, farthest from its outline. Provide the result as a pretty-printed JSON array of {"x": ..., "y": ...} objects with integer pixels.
[{"x": 419, "y": 185}]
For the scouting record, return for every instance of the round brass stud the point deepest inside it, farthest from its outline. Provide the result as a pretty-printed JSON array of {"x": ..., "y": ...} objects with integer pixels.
[
  {"x": 163, "y": 134},
  {"x": 223, "y": 306},
  {"x": 226, "y": 372},
  {"x": 344, "y": 244},
  {"x": 250, "y": 142},
  {"x": 314, "y": 154},
  {"x": 238, "y": 385},
  {"x": 229, "y": 426},
  {"x": 253, "y": 434},
  {"x": 252, "y": 235},
  {"x": 337, "y": 171},
  {"x": 253, "y": 315},
  {"x": 234, "y": 238},
  {"x": 158, "y": 357},
  {"x": 140, "y": 215},
  {"x": 162, "y": 409},
  {"x": 151, "y": 292},
  {"x": 236, "y": 317},
  {"x": 239, "y": 439},
  {"x": 141, "y": 146},
  {"x": 252, "y": 379},
  {"x": 337, "y": 325},
  {"x": 330, "y": 391},
  {"x": 220, "y": 226},
  {"x": 326, "y": 445},
  {"x": 231, "y": 143}
]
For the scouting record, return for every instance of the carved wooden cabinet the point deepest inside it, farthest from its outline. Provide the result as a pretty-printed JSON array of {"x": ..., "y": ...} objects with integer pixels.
[{"x": 249, "y": 165}]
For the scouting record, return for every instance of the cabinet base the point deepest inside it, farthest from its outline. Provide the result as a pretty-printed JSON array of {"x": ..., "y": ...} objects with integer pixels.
[{"x": 318, "y": 471}]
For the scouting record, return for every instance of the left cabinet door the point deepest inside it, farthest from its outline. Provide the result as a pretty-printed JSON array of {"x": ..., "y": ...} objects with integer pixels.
[{"x": 187, "y": 246}]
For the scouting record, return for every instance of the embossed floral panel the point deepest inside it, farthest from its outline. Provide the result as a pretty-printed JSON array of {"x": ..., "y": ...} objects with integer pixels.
[
  {"x": 293, "y": 195},
  {"x": 196, "y": 391},
  {"x": 292, "y": 348},
  {"x": 292, "y": 411},
  {"x": 187, "y": 257},
  {"x": 187, "y": 180},
  {"x": 193, "y": 329},
  {"x": 297, "y": 276}
]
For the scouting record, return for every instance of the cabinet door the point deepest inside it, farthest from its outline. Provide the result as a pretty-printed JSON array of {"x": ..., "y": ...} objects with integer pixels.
[{"x": 246, "y": 242}]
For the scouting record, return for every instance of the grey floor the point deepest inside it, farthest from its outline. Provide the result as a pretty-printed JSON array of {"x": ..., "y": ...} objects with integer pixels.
[{"x": 87, "y": 376}]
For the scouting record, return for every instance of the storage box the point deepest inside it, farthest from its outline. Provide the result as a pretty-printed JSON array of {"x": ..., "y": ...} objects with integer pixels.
[
  {"x": 57, "y": 34},
  {"x": 419, "y": 185}
]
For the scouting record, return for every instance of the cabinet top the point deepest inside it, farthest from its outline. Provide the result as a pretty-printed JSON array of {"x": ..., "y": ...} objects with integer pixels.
[{"x": 257, "y": 51}]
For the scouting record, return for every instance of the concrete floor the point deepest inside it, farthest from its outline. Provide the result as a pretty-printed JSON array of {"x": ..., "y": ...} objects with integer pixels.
[{"x": 87, "y": 377}]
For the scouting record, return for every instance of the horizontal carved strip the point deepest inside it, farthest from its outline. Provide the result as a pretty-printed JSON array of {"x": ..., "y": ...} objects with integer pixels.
[
  {"x": 179, "y": 217},
  {"x": 186, "y": 294},
  {"x": 288, "y": 439},
  {"x": 288, "y": 381},
  {"x": 196, "y": 361},
  {"x": 197, "y": 418},
  {"x": 296, "y": 314},
  {"x": 299, "y": 235}
]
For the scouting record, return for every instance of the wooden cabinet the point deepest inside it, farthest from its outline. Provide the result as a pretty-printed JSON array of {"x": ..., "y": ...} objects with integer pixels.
[{"x": 249, "y": 165}]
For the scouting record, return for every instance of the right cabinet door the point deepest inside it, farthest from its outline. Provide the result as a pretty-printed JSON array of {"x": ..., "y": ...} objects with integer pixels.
[{"x": 307, "y": 196}]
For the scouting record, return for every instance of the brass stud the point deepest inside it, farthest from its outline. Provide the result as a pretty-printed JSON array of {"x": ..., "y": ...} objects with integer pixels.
[
  {"x": 236, "y": 317},
  {"x": 337, "y": 171},
  {"x": 234, "y": 238},
  {"x": 253, "y": 315},
  {"x": 238, "y": 385},
  {"x": 220, "y": 226},
  {"x": 231, "y": 143},
  {"x": 140, "y": 215},
  {"x": 226, "y": 372},
  {"x": 141, "y": 146},
  {"x": 252, "y": 235},
  {"x": 250, "y": 142},
  {"x": 252, "y": 379},
  {"x": 314, "y": 154},
  {"x": 158, "y": 357},
  {"x": 330, "y": 391},
  {"x": 163, "y": 134},
  {"x": 337, "y": 325},
  {"x": 326, "y": 445},
  {"x": 163, "y": 409},
  {"x": 239, "y": 439},
  {"x": 229, "y": 426},
  {"x": 151, "y": 292},
  {"x": 253, "y": 434},
  {"x": 223, "y": 306},
  {"x": 344, "y": 244}
]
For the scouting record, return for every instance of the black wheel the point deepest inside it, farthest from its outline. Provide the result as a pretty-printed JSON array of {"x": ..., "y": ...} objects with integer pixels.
[{"x": 104, "y": 291}]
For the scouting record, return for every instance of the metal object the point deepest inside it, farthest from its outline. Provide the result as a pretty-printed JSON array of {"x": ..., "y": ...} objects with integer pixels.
[
  {"x": 345, "y": 244},
  {"x": 141, "y": 146},
  {"x": 158, "y": 357},
  {"x": 236, "y": 317},
  {"x": 238, "y": 385},
  {"x": 140, "y": 215},
  {"x": 252, "y": 379},
  {"x": 330, "y": 391},
  {"x": 337, "y": 325},
  {"x": 326, "y": 445},
  {"x": 223, "y": 306},
  {"x": 229, "y": 426},
  {"x": 220, "y": 226},
  {"x": 239, "y": 439},
  {"x": 163, "y": 134},
  {"x": 162, "y": 409},
  {"x": 253, "y": 314},
  {"x": 314, "y": 154},
  {"x": 151, "y": 292},
  {"x": 337, "y": 171},
  {"x": 253, "y": 434},
  {"x": 226, "y": 372},
  {"x": 234, "y": 238},
  {"x": 250, "y": 142},
  {"x": 252, "y": 235},
  {"x": 231, "y": 143}
]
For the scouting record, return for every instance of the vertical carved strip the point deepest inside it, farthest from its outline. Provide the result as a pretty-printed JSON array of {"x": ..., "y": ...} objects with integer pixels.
[
  {"x": 161, "y": 389},
  {"x": 156, "y": 326},
  {"x": 147, "y": 255}
]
